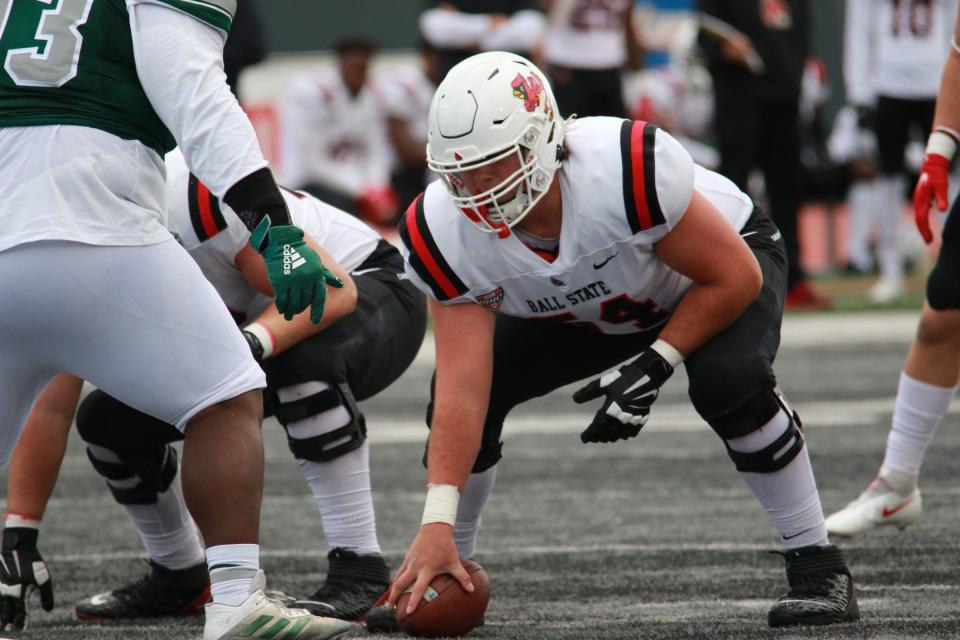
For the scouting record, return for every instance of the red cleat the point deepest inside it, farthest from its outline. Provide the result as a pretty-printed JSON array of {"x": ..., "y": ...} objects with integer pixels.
[{"x": 802, "y": 297}]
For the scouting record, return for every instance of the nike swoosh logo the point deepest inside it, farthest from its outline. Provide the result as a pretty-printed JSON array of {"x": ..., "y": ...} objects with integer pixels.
[
  {"x": 360, "y": 272},
  {"x": 748, "y": 233},
  {"x": 604, "y": 263},
  {"x": 889, "y": 512},
  {"x": 795, "y": 535}
]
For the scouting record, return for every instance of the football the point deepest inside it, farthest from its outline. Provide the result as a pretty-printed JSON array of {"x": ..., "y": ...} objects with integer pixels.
[{"x": 446, "y": 610}]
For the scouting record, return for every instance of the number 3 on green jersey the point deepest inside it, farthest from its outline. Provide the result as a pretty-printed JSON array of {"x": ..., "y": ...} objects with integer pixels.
[
  {"x": 57, "y": 64},
  {"x": 71, "y": 62}
]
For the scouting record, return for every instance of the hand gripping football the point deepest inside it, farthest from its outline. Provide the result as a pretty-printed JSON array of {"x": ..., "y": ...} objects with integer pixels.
[{"x": 446, "y": 610}]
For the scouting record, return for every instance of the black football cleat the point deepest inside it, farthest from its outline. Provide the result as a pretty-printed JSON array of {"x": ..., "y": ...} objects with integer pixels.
[
  {"x": 821, "y": 589},
  {"x": 382, "y": 620},
  {"x": 162, "y": 592},
  {"x": 354, "y": 584}
]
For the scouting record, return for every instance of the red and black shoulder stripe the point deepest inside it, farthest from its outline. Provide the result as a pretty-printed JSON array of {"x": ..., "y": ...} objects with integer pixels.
[
  {"x": 637, "y": 140},
  {"x": 425, "y": 256},
  {"x": 205, "y": 214}
]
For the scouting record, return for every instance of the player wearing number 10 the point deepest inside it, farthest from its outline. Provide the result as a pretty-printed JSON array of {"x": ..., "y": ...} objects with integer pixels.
[
  {"x": 92, "y": 93},
  {"x": 555, "y": 250}
]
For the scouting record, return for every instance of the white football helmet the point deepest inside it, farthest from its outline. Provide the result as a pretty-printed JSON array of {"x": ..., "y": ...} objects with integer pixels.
[{"x": 489, "y": 107}]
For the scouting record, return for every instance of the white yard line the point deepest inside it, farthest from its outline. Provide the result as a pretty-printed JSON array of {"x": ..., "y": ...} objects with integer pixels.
[
  {"x": 802, "y": 331},
  {"x": 667, "y": 418}
]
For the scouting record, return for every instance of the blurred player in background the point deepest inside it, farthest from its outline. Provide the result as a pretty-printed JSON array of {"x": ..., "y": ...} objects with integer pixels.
[
  {"x": 316, "y": 374},
  {"x": 588, "y": 45},
  {"x": 93, "y": 284},
  {"x": 853, "y": 145},
  {"x": 931, "y": 371},
  {"x": 335, "y": 143},
  {"x": 405, "y": 94},
  {"x": 460, "y": 28},
  {"x": 552, "y": 251},
  {"x": 894, "y": 52},
  {"x": 757, "y": 69},
  {"x": 674, "y": 90}
]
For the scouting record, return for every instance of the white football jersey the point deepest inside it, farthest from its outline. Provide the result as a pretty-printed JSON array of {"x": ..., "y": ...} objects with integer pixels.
[
  {"x": 587, "y": 34},
  {"x": 896, "y": 48},
  {"x": 213, "y": 235},
  {"x": 406, "y": 94},
  {"x": 333, "y": 138},
  {"x": 624, "y": 185}
]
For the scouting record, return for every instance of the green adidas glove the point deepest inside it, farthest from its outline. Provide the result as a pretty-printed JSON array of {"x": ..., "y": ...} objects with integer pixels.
[{"x": 294, "y": 269}]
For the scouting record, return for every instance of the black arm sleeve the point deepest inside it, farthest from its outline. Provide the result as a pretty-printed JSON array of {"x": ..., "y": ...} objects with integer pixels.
[
  {"x": 246, "y": 44},
  {"x": 256, "y": 196},
  {"x": 709, "y": 45}
]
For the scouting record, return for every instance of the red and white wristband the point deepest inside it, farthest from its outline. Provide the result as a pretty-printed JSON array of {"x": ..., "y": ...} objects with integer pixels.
[
  {"x": 14, "y": 520},
  {"x": 264, "y": 335},
  {"x": 943, "y": 141}
]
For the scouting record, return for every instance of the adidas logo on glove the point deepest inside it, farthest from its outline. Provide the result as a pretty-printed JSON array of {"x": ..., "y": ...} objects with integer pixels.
[{"x": 291, "y": 259}]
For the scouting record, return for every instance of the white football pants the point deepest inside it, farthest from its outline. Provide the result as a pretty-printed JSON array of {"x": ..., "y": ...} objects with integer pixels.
[{"x": 139, "y": 322}]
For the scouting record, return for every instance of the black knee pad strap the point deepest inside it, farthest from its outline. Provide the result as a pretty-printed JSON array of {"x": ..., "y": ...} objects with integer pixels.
[
  {"x": 155, "y": 474},
  {"x": 773, "y": 457},
  {"x": 748, "y": 417},
  {"x": 287, "y": 412},
  {"x": 110, "y": 470},
  {"x": 317, "y": 449}
]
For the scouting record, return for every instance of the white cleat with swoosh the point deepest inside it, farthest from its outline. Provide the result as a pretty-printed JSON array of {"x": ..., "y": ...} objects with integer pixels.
[{"x": 880, "y": 505}]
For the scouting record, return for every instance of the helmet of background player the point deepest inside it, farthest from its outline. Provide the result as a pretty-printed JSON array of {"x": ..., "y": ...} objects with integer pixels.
[{"x": 495, "y": 116}]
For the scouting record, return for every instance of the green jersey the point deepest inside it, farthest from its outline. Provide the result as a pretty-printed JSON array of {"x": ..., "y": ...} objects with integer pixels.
[{"x": 71, "y": 62}]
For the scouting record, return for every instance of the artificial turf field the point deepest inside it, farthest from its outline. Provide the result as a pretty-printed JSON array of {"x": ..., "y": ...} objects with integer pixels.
[{"x": 656, "y": 537}]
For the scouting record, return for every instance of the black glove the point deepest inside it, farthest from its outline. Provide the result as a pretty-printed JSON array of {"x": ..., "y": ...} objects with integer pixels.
[
  {"x": 630, "y": 392},
  {"x": 22, "y": 570}
]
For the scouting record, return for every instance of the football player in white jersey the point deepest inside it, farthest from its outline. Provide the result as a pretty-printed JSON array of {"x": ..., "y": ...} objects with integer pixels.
[
  {"x": 552, "y": 251},
  {"x": 588, "y": 45},
  {"x": 370, "y": 332},
  {"x": 92, "y": 283},
  {"x": 931, "y": 372},
  {"x": 334, "y": 136},
  {"x": 894, "y": 52}
]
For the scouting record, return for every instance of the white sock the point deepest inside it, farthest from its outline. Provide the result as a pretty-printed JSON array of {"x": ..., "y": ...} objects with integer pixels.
[
  {"x": 789, "y": 495},
  {"x": 341, "y": 487},
  {"x": 232, "y": 570},
  {"x": 169, "y": 534},
  {"x": 862, "y": 203},
  {"x": 475, "y": 495},
  {"x": 918, "y": 411},
  {"x": 890, "y": 194}
]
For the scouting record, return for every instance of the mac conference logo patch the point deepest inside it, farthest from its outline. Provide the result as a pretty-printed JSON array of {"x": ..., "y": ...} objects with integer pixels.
[{"x": 491, "y": 300}]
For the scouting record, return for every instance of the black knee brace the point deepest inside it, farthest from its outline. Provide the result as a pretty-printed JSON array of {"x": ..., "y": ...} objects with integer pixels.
[
  {"x": 154, "y": 472},
  {"x": 777, "y": 454},
  {"x": 317, "y": 448}
]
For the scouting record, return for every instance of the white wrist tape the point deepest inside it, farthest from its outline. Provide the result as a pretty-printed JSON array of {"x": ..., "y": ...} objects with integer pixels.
[
  {"x": 441, "y": 504},
  {"x": 14, "y": 520},
  {"x": 667, "y": 352},
  {"x": 264, "y": 335}
]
